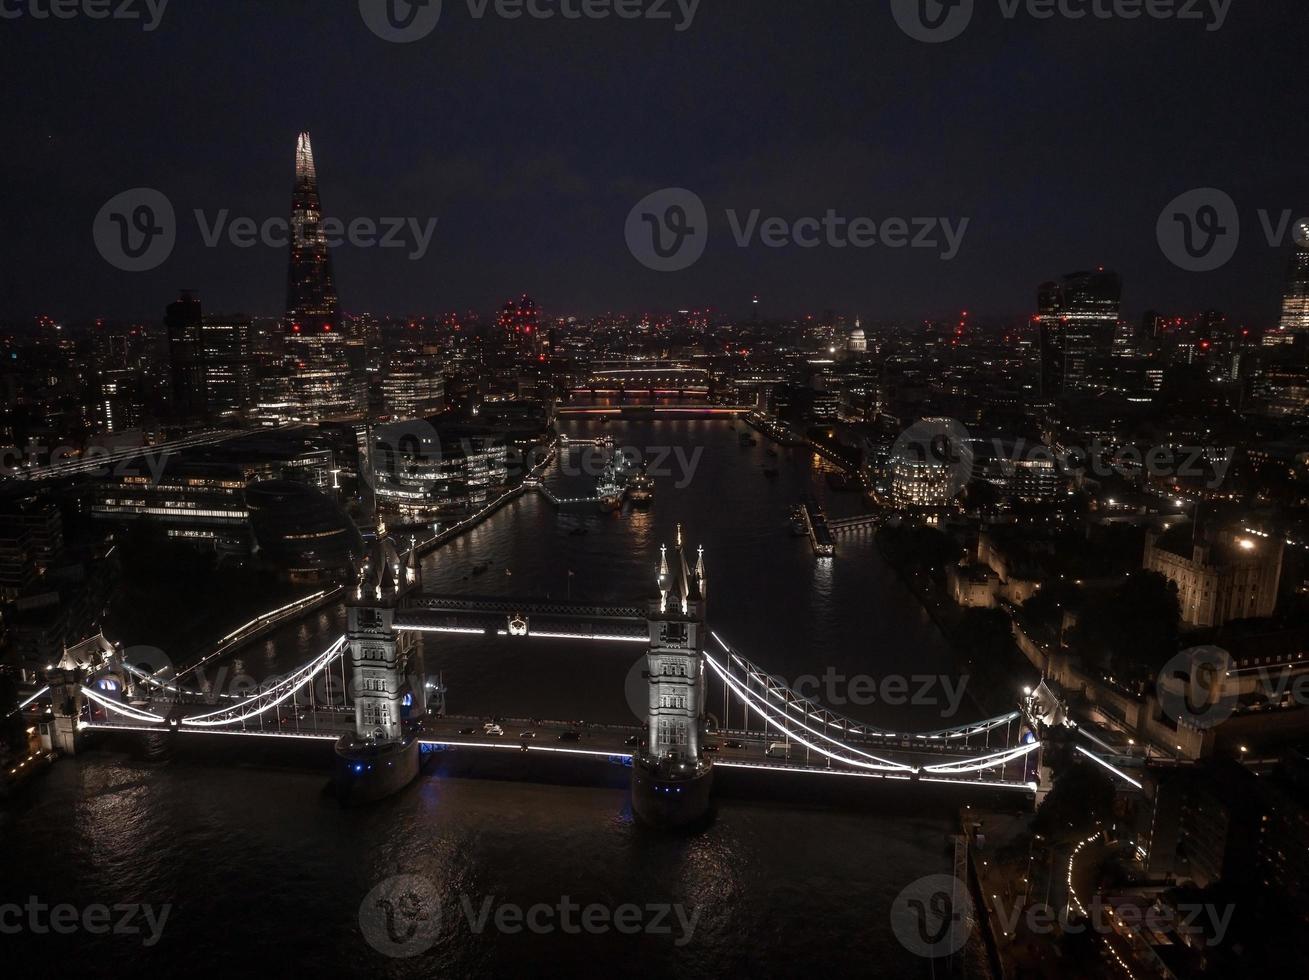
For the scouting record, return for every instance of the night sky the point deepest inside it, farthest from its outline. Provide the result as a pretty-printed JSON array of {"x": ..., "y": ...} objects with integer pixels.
[{"x": 531, "y": 141}]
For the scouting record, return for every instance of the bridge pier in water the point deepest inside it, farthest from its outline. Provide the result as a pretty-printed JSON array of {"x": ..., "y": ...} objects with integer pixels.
[
  {"x": 671, "y": 775},
  {"x": 381, "y": 757}
]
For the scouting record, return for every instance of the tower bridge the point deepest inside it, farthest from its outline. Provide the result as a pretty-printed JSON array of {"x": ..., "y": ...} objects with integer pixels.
[{"x": 372, "y": 692}]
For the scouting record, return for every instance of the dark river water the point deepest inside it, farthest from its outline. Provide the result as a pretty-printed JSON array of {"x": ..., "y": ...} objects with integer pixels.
[{"x": 263, "y": 872}]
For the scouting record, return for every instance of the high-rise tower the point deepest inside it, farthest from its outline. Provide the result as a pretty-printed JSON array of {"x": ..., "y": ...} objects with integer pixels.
[
  {"x": 183, "y": 321},
  {"x": 1078, "y": 320},
  {"x": 323, "y": 374},
  {"x": 311, "y": 288},
  {"x": 1295, "y": 301}
]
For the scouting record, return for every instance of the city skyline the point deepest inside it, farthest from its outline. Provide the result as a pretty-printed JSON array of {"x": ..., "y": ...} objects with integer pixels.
[
  {"x": 539, "y": 205},
  {"x": 668, "y": 487}
]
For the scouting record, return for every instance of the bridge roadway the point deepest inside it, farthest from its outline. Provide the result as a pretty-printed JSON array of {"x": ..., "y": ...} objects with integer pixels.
[
  {"x": 732, "y": 749},
  {"x": 545, "y": 618}
]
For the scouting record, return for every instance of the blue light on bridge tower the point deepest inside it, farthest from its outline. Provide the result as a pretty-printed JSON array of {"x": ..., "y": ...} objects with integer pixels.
[{"x": 379, "y": 659}]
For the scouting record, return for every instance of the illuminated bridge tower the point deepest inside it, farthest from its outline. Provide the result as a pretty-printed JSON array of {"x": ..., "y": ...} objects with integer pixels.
[
  {"x": 671, "y": 777},
  {"x": 381, "y": 757}
]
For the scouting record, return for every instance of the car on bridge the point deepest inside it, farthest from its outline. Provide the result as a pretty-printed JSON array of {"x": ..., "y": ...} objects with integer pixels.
[
  {"x": 492, "y": 729},
  {"x": 569, "y": 737}
]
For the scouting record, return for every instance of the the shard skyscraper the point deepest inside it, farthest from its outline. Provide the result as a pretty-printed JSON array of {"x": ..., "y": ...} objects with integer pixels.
[
  {"x": 311, "y": 303},
  {"x": 322, "y": 375}
]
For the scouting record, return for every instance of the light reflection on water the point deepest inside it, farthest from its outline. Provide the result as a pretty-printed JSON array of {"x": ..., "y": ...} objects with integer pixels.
[{"x": 259, "y": 863}]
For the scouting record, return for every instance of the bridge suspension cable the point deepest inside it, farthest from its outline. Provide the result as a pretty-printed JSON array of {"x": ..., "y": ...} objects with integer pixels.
[
  {"x": 154, "y": 681},
  {"x": 136, "y": 714},
  {"x": 985, "y": 762},
  {"x": 753, "y": 700},
  {"x": 24, "y": 704},
  {"x": 816, "y": 712},
  {"x": 271, "y": 698},
  {"x": 771, "y": 713}
]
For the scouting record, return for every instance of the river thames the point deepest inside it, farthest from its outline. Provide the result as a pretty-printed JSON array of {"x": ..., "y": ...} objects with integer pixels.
[{"x": 780, "y": 883}]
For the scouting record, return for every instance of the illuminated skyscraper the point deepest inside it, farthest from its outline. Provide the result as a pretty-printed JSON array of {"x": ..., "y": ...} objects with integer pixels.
[
  {"x": 229, "y": 365},
  {"x": 1295, "y": 301},
  {"x": 413, "y": 387},
  {"x": 311, "y": 288},
  {"x": 320, "y": 379},
  {"x": 1078, "y": 319}
]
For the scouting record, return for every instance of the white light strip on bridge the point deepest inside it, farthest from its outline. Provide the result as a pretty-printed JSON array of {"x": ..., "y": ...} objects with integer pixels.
[
  {"x": 518, "y": 746},
  {"x": 749, "y": 696},
  {"x": 468, "y": 630},
  {"x": 208, "y": 720},
  {"x": 44, "y": 690},
  {"x": 231, "y": 638},
  {"x": 842, "y": 723},
  {"x": 273, "y": 612},
  {"x": 989, "y": 784},
  {"x": 134, "y": 713},
  {"x": 1113, "y": 769},
  {"x": 1104, "y": 745},
  {"x": 311, "y": 736},
  {"x": 985, "y": 762},
  {"x": 599, "y": 637},
  {"x": 151, "y": 679},
  {"x": 950, "y": 768},
  {"x": 1028, "y": 787},
  {"x": 903, "y": 777}
]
